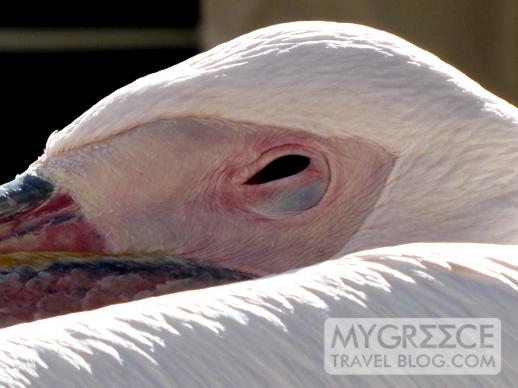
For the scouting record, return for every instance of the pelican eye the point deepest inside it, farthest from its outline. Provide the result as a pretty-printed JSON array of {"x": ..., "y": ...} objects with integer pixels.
[{"x": 280, "y": 168}]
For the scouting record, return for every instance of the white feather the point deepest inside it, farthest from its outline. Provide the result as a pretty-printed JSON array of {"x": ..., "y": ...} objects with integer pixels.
[
  {"x": 269, "y": 332},
  {"x": 334, "y": 73}
]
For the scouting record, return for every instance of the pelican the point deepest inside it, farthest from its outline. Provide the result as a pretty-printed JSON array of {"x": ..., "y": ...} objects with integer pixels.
[{"x": 335, "y": 169}]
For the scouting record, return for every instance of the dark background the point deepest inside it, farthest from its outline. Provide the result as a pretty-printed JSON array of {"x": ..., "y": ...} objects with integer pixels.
[{"x": 44, "y": 90}]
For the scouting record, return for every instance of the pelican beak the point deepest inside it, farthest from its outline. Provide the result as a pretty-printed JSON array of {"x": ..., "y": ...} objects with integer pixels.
[
  {"x": 53, "y": 261},
  {"x": 35, "y": 215}
]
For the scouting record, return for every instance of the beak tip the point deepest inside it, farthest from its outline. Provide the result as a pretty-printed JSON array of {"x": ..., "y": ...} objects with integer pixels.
[{"x": 25, "y": 192}]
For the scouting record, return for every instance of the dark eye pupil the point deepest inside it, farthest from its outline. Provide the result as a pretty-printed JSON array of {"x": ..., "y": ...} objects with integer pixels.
[{"x": 282, "y": 167}]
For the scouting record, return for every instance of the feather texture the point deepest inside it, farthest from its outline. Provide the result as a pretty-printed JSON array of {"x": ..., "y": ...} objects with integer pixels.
[{"x": 270, "y": 331}]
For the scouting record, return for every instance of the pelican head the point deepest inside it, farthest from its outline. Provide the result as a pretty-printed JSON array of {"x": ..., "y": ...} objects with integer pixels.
[{"x": 279, "y": 149}]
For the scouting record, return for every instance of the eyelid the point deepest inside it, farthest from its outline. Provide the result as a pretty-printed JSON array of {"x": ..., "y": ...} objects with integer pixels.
[
  {"x": 282, "y": 167},
  {"x": 268, "y": 157}
]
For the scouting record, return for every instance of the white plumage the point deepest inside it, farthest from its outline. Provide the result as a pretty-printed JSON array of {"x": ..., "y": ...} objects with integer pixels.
[
  {"x": 455, "y": 180},
  {"x": 269, "y": 331}
]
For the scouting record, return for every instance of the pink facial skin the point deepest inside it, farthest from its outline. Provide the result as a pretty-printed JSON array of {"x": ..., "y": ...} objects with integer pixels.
[
  {"x": 180, "y": 187},
  {"x": 192, "y": 188}
]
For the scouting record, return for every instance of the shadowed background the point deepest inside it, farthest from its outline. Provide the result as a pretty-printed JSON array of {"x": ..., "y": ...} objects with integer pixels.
[{"x": 54, "y": 67}]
